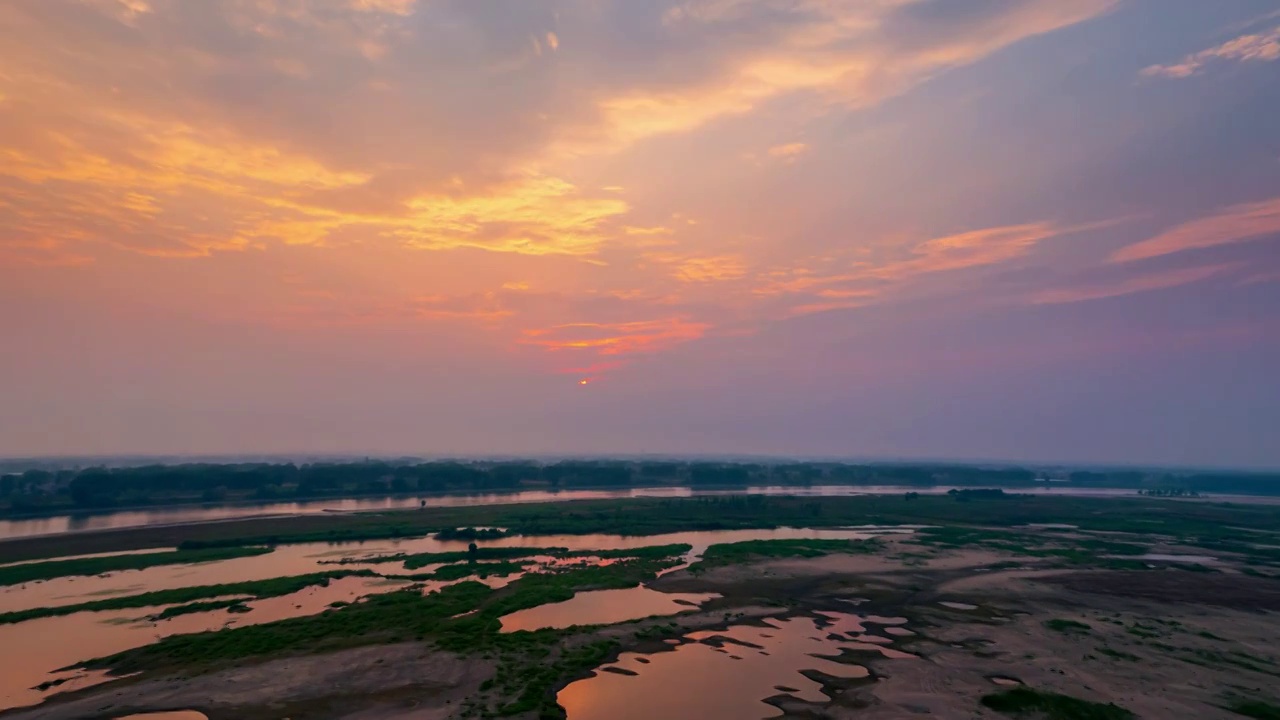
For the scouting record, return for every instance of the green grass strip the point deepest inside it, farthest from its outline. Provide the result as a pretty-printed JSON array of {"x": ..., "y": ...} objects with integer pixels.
[
  {"x": 740, "y": 552},
  {"x": 18, "y": 574},
  {"x": 1052, "y": 706},
  {"x": 258, "y": 589}
]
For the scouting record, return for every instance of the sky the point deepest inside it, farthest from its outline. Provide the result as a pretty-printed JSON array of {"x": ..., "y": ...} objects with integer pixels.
[{"x": 1022, "y": 230}]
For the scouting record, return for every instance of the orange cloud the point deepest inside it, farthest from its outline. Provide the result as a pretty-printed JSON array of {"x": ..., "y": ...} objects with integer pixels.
[
  {"x": 967, "y": 250},
  {"x": 1230, "y": 225},
  {"x": 395, "y": 7},
  {"x": 42, "y": 252},
  {"x": 1256, "y": 47},
  {"x": 610, "y": 339},
  {"x": 835, "y": 300},
  {"x": 788, "y": 151},
  {"x": 480, "y": 307},
  {"x": 709, "y": 269},
  {"x": 248, "y": 194},
  {"x": 701, "y": 268},
  {"x": 842, "y": 51}
]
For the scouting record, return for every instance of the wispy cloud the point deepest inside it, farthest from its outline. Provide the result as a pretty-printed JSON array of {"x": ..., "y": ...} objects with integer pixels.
[
  {"x": 971, "y": 249},
  {"x": 1254, "y": 47},
  {"x": 701, "y": 268},
  {"x": 1142, "y": 283},
  {"x": 1233, "y": 224},
  {"x": 591, "y": 348},
  {"x": 788, "y": 151},
  {"x": 1261, "y": 278},
  {"x": 480, "y": 307},
  {"x": 850, "y": 54}
]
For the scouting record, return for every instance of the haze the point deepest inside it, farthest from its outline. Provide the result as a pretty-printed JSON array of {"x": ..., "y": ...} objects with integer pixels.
[{"x": 1001, "y": 229}]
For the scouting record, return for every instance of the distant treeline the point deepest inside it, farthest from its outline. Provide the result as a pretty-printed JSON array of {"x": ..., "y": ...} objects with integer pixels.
[{"x": 100, "y": 487}]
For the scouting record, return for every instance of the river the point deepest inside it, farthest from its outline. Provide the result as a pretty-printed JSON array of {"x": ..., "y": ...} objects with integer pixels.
[{"x": 59, "y": 524}]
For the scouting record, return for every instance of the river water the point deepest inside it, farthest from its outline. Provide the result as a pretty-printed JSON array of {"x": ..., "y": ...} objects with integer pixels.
[
  {"x": 727, "y": 674},
  {"x": 57, "y": 524}
]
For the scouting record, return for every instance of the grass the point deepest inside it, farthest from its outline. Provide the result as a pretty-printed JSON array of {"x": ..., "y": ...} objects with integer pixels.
[
  {"x": 739, "y": 552},
  {"x": 412, "y": 562},
  {"x": 389, "y": 617},
  {"x": 464, "y": 570},
  {"x": 235, "y": 605},
  {"x": 531, "y": 664},
  {"x": 1118, "y": 654},
  {"x": 1052, "y": 706},
  {"x": 1256, "y": 709},
  {"x": 1076, "y": 551},
  {"x": 651, "y": 552},
  {"x": 258, "y": 589},
  {"x": 1067, "y": 626},
  {"x": 1215, "y": 659},
  {"x": 1200, "y": 524},
  {"x": 18, "y": 574},
  {"x": 419, "y": 560}
]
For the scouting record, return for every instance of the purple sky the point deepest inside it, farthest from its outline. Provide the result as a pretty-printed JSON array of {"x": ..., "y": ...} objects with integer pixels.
[{"x": 986, "y": 229}]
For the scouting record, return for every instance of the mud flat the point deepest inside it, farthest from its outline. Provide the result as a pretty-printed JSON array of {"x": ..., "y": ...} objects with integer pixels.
[{"x": 802, "y": 625}]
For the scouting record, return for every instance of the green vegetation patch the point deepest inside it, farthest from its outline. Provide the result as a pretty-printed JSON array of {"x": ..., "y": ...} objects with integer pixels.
[
  {"x": 257, "y": 589},
  {"x": 1255, "y": 709},
  {"x": 1026, "y": 701},
  {"x": 464, "y": 570},
  {"x": 1118, "y": 654},
  {"x": 651, "y": 552},
  {"x": 740, "y": 552},
  {"x": 530, "y": 664},
  {"x": 1067, "y": 626},
  {"x": 419, "y": 560},
  {"x": 18, "y": 574},
  {"x": 470, "y": 533},
  {"x": 1219, "y": 528},
  {"x": 236, "y": 605},
  {"x": 389, "y": 617},
  {"x": 1077, "y": 551}
]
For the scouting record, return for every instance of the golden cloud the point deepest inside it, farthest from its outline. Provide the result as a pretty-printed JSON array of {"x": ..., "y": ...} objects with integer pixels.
[
  {"x": 615, "y": 339},
  {"x": 844, "y": 51},
  {"x": 789, "y": 150}
]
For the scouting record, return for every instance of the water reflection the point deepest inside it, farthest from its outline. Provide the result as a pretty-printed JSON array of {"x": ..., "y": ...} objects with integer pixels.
[
  {"x": 35, "y": 650},
  {"x": 172, "y": 516},
  {"x": 291, "y": 560},
  {"x": 604, "y": 607},
  {"x": 724, "y": 675}
]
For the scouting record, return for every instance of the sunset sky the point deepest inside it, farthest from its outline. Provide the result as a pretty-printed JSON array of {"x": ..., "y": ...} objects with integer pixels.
[{"x": 971, "y": 229}]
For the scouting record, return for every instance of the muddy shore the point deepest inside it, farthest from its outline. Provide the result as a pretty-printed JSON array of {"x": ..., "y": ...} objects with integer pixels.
[{"x": 1199, "y": 646}]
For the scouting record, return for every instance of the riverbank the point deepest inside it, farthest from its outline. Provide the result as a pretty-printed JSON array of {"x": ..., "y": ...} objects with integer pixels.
[{"x": 640, "y": 516}]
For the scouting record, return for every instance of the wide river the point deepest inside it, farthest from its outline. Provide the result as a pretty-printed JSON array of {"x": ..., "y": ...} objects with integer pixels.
[{"x": 57, "y": 524}]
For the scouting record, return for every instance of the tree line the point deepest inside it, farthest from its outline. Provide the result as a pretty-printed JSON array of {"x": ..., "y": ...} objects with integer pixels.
[{"x": 93, "y": 488}]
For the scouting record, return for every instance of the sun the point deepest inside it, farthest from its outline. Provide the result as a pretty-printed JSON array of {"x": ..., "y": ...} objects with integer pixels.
[{"x": 584, "y": 381}]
